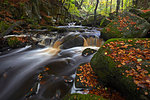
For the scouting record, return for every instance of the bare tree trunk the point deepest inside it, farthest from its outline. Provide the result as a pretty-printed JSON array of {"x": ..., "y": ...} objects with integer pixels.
[
  {"x": 69, "y": 5},
  {"x": 63, "y": 2},
  {"x": 106, "y": 6},
  {"x": 122, "y": 4},
  {"x": 81, "y": 4},
  {"x": 137, "y": 2},
  {"x": 117, "y": 7},
  {"x": 95, "y": 12},
  {"x": 126, "y": 4},
  {"x": 133, "y": 3},
  {"x": 110, "y": 6}
]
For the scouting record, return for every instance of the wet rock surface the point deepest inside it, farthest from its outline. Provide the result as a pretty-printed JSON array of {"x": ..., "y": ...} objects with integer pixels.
[
  {"x": 88, "y": 52},
  {"x": 72, "y": 41}
]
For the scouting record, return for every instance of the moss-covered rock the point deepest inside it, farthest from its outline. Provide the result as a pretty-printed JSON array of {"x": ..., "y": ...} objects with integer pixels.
[
  {"x": 100, "y": 21},
  {"x": 136, "y": 11},
  {"x": 83, "y": 97},
  {"x": 123, "y": 64},
  {"x": 141, "y": 13},
  {"x": 52, "y": 28},
  {"x": 126, "y": 25},
  {"x": 3, "y": 27},
  {"x": 19, "y": 41},
  {"x": 146, "y": 15}
]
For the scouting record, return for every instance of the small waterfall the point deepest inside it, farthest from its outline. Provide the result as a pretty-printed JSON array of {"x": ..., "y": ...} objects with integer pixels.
[
  {"x": 93, "y": 41},
  {"x": 57, "y": 44},
  {"x": 51, "y": 50},
  {"x": 19, "y": 66},
  {"x": 85, "y": 42}
]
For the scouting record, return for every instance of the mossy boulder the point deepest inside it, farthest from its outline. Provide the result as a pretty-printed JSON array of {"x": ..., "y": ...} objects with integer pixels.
[
  {"x": 141, "y": 13},
  {"x": 19, "y": 41},
  {"x": 3, "y": 27},
  {"x": 146, "y": 15},
  {"x": 83, "y": 97},
  {"x": 100, "y": 21},
  {"x": 126, "y": 25},
  {"x": 136, "y": 11},
  {"x": 53, "y": 29},
  {"x": 123, "y": 64}
]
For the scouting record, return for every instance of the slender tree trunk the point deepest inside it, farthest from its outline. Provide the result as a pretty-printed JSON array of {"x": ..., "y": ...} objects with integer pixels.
[
  {"x": 95, "y": 12},
  {"x": 63, "y": 2},
  {"x": 117, "y": 7},
  {"x": 106, "y": 6},
  {"x": 122, "y": 4},
  {"x": 81, "y": 3},
  {"x": 110, "y": 6},
  {"x": 126, "y": 4},
  {"x": 133, "y": 3},
  {"x": 69, "y": 5},
  {"x": 137, "y": 2},
  {"x": 75, "y": 2}
]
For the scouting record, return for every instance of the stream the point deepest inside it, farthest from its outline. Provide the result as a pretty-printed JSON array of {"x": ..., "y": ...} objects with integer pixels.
[{"x": 45, "y": 73}]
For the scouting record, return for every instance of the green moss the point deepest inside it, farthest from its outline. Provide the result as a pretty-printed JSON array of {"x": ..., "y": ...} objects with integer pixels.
[
  {"x": 83, "y": 97},
  {"x": 114, "y": 33},
  {"x": 111, "y": 76},
  {"x": 3, "y": 26},
  {"x": 52, "y": 28},
  {"x": 13, "y": 42},
  {"x": 136, "y": 11},
  {"x": 124, "y": 39},
  {"x": 146, "y": 15},
  {"x": 126, "y": 25}
]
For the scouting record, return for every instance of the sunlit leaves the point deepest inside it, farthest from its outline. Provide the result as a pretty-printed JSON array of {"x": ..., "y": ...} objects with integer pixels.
[{"x": 86, "y": 76}]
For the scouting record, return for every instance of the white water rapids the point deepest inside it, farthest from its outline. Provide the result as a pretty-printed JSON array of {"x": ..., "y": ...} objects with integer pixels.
[{"x": 20, "y": 68}]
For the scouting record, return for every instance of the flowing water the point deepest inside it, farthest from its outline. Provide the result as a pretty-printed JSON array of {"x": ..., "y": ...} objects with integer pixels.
[{"x": 20, "y": 69}]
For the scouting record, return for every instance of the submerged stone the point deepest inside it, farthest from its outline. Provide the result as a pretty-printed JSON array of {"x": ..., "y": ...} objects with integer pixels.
[
  {"x": 72, "y": 40},
  {"x": 88, "y": 52}
]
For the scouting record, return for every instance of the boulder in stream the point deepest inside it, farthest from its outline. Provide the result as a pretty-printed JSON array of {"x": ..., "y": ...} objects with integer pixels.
[
  {"x": 18, "y": 41},
  {"x": 72, "y": 40},
  {"x": 88, "y": 51},
  {"x": 123, "y": 64}
]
